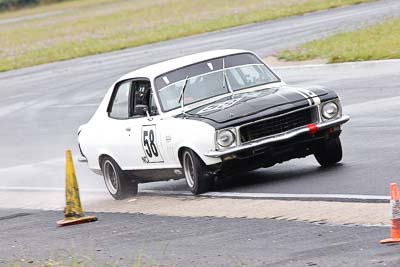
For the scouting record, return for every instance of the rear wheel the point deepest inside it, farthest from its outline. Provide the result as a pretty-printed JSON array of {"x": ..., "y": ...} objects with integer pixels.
[
  {"x": 198, "y": 178},
  {"x": 328, "y": 152},
  {"x": 117, "y": 182}
]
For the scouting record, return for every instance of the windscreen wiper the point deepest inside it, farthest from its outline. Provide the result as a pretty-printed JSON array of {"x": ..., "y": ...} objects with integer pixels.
[
  {"x": 225, "y": 81},
  {"x": 182, "y": 95}
]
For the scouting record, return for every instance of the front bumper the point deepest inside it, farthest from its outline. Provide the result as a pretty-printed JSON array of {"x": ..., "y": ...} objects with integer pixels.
[{"x": 279, "y": 137}]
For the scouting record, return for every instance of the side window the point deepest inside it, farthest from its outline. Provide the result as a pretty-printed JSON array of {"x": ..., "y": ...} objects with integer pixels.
[
  {"x": 120, "y": 104},
  {"x": 153, "y": 105},
  {"x": 141, "y": 91}
]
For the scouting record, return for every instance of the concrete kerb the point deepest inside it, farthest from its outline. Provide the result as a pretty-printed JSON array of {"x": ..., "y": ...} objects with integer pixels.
[
  {"x": 319, "y": 212},
  {"x": 333, "y": 213}
]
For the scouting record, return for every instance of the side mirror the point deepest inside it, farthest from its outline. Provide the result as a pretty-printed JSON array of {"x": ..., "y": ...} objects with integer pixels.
[{"x": 141, "y": 110}]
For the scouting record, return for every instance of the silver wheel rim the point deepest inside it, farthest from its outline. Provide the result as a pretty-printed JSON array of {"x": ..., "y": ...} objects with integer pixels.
[
  {"x": 110, "y": 177},
  {"x": 188, "y": 169}
]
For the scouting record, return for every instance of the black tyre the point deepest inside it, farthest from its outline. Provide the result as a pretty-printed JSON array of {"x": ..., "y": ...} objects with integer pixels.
[
  {"x": 328, "y": 152},
  {"x": 198, "y": 178},
  {"x": 116, "y": 180}
]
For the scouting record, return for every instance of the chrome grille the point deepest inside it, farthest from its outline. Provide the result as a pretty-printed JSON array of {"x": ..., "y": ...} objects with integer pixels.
[{"x": 275, "y": 125}]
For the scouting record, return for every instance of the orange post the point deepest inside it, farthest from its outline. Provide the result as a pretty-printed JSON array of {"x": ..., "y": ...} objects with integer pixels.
[{"x": 395, "y": 203}]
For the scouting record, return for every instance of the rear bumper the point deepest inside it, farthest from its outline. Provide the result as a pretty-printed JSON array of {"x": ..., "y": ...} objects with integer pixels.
[
  {"x": 82, "y": 159},
  {"x": 278, "y": 138}
]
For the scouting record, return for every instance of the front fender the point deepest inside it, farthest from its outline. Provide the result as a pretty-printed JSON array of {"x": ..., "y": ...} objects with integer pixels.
[{"x": 196, "y": 135}]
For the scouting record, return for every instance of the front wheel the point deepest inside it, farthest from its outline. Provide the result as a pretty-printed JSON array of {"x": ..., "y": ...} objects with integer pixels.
[
  {"x": 116, "y": 180},
  {"x": 198, "y": 179},
  {"x": 328, "y": 152}
]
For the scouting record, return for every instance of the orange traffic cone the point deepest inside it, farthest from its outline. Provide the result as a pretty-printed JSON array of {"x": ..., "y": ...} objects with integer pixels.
[
  {"x": 73, "y": 213},
  {"x": 395, "y": 203}
]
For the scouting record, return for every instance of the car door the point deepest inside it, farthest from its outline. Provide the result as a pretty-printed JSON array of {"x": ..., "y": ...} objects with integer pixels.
[
  {"x": 145, "y": 136},
  {"x": 118, "y": 141}
]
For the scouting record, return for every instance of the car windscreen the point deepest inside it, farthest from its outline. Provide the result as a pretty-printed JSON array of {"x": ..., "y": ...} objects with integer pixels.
[{"x": 212, "y": 78}]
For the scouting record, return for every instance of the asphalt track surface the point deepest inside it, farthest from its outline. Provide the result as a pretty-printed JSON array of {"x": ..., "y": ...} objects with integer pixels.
[
  {"x": 41, "y": 108},
  {"x": 31, "y": 238}
]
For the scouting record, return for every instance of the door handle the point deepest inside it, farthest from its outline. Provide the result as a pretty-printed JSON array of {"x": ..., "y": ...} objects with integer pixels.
[{"x": 128, "y": 129}]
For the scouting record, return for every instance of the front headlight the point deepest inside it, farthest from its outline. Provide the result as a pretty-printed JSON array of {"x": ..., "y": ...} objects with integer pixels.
[
  {"x": 330, "y": 110},
  {"x": 226, "y": 138}
]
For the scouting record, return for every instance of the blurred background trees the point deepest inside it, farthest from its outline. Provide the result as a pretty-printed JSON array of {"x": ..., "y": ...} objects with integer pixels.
[{"x": 15, "y": 4}]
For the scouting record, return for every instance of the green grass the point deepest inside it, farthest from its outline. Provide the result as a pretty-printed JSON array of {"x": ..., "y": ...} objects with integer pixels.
[
  {"x": 381, "y": 41},
  {"x": 80, "y": 28}
]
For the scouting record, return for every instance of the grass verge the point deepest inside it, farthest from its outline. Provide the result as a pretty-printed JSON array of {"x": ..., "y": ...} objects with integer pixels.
[
  {"x": 79, "y": 28},
  {"x": 76, "y": 260},
  {"x": 381, "y": 41}
]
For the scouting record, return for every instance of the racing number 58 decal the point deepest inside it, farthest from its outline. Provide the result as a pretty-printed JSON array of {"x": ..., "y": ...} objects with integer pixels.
[{"x": 149, "y": 143}]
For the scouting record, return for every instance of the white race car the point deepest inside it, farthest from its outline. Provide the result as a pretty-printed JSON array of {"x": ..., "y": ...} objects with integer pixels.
[{"x": 206, "y": 115}]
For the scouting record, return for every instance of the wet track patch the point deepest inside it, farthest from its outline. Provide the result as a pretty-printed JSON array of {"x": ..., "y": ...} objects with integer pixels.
[{"x": 13, "y": 216}]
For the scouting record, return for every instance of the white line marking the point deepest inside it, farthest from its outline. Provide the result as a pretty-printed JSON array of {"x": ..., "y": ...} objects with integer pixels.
[
  {"x": 54, "y": 161},
  {"x": 338, "y": 64},
  {"x": 219, "y": 194},
  {"x": 75, "y": 105},
  {"x": 45, "y": 189},
  {"x": 275, "y": 195}
]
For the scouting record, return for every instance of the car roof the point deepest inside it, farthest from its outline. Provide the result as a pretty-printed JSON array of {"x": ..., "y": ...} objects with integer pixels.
[{"x": 152, "y": 71}]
